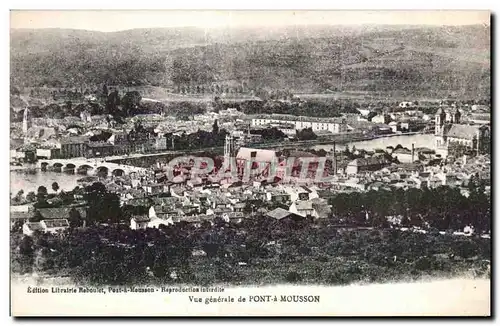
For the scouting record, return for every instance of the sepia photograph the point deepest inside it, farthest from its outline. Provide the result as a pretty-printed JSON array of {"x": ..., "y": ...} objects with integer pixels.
[{"x": 250, "y": 163}]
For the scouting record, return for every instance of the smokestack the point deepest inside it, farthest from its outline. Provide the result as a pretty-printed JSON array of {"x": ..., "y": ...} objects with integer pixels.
[
  {"x": 334, "y": 163},
  {"x": 412, "y": 152}
]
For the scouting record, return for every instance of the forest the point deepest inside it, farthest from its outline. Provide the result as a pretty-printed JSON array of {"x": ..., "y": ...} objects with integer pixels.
[
  {"x": 258, "y": 251},
  {"x": 354, "y": 244}
]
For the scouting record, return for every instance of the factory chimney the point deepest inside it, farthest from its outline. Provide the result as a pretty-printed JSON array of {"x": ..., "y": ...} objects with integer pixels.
[{"x": 334, "y": 163}]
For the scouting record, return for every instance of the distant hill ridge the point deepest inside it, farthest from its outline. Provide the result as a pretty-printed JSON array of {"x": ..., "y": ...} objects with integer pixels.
[{"x": 447, "y": 59}]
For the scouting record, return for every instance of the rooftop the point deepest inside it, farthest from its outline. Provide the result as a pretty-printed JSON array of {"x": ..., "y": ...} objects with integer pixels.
[
  {"x": 279, "y": 213},
  {"x": 289, "y": 117}
]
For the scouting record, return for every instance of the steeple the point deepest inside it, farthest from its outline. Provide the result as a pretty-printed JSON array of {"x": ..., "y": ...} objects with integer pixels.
[
  {"x": 456, "y": 116},
  {"x": 440, "y": 119},
  {"x": 229, "y": 149},
  {"x": 26, "y": 121}
]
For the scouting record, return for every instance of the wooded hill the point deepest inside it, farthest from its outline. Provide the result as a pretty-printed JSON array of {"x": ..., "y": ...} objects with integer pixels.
[{"x": 423, "y": 60}]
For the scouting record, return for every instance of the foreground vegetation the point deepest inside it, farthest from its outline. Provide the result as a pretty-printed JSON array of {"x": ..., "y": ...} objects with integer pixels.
[{"x": 259, "y": 250}]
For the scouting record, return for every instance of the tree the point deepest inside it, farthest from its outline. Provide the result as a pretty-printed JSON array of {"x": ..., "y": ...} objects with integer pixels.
[
  {"x": 215, "y": 128},
  {"x": 130, "y": 102},
  {"x": 112, "y": 102},
  {"x": 37, "y": 217},
  {"x": 55, "y": 186},
  {"x": 14, "y": 90},
  {"x": 103, "y": 206},
  {"x": 69, "y": 106},
  {"x": 41, "y": 193},
  {"x": 371, "y": 115},
  {"x": 31, "y": 197},
  {"x": 306, "y": 134},
  {"x": 19, "y": 197},
  {"x": 74, "y": 218}
]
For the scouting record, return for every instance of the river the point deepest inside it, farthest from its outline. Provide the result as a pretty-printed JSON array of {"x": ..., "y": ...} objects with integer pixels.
[
  {"x": 31, "y": 181},
  {"x": 420, "y": 140}
]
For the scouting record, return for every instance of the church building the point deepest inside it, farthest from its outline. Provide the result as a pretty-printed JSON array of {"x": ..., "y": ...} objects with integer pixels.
[{"x": 449, "y": 131}]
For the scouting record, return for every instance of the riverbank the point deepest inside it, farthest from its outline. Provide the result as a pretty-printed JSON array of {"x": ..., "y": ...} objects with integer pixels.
[{"x": 359, "y": 141}]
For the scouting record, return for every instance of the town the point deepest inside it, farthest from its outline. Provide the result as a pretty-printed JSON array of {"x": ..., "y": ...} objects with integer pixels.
[{"x": 138, "y": 167}]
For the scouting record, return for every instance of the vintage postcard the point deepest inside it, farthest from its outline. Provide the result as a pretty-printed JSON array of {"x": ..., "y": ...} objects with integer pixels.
[{"x": 250, "y": 163}]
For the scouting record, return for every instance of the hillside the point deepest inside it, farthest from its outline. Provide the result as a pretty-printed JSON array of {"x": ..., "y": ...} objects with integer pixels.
[{"x": 384, "y": 59}]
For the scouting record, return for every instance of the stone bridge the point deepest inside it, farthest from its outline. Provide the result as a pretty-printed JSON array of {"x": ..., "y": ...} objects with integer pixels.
[{"x": 90, "y": 167}]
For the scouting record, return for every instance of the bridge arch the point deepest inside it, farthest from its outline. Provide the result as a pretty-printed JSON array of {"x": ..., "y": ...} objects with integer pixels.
[
  {"x": 70, "y": 168},
  {"x": 118, "y": 172},
  {"x": 57, "y": 167},
  {"x": 84, "y": 169},
  {"x": 102, "y": 171},
  {"x": 44, "y": 166}
]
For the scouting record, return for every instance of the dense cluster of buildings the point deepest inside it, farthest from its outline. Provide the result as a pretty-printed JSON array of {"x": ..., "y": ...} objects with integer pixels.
[{"x": 280, "y": 195}]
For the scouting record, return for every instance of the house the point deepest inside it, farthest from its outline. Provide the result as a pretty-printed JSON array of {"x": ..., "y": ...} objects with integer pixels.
[
  {"x": 219, "y": 211},
  {"x": 303, "y": 208},
  {"x": 239, "y": 207},
  {"x": 282, "y": 214},
  {"x": 311, "y": 193},
  {"x": 99, "y": 149},
  {"x": 73, "y": 146},
  {"x": 298, "y": 193},
  {"x": 480, "y": 118},
  {"x": 164, "y": 212},
  {"x": 366, "y": 164},
  {"x": 234, "y": 217},
  {"x": 261, "y": 160},
  {"x": 45, "y": 226},
  {"x": 395, "y": 126},
  {"x": 31, "y": 227},
  {"x": 61, "y": 212},
  {"x": 434, "y": 182},
  {"x": 332, "y": 125},
  {"x": 321, "y": 207},
  {"x": 404, "y": 155},
  {"x": 405, "y": 104},
  {"x": 156, "y": 223},
  {"x": 139, "y": 222},
  {"x": 424, "y": 153},
  {"x": 197, "y": 220},
  {"x": 154, "y": 188},
  {"x": 47, "y": 153},
  {"x": 277, "y": 196},
  {"x": 221, "y": 203},
  {"x": 381, "y": 118},
  {"x": 139, "y": 202},
  {"x": 163, "y": 215},
  {"x": 19, "y": 217}
]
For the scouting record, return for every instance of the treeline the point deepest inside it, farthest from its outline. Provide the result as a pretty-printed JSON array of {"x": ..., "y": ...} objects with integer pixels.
[
  {"x": 197, "y": 140},
  {"x": 313, "y": 108},
  {"x": 442, "y": 208},
  {"x": 260, "y": 250}
]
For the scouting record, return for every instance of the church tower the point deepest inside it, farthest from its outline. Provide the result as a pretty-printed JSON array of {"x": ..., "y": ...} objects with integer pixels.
[
  {"x": 440, "y": 120},
  {"x": 228, "y": 148},
  {"x": 456, "y": 116},
  {"x": 26, "y": 121}
]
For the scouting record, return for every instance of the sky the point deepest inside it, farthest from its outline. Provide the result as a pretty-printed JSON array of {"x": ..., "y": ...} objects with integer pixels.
[{"x": 109, "y": 21}]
